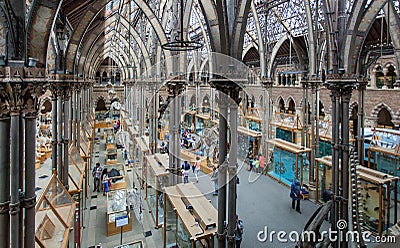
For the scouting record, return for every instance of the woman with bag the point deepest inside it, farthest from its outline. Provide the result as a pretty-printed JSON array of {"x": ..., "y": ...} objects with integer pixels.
[{"x": 105, "y": 181}]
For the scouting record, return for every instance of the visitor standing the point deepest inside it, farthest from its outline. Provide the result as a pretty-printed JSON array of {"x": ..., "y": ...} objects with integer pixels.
[
  {"x": 197, "y": 166},
  {"x": 96, "y": 173},
  {"x": 296, "y": 195},
  {"x": 185, "y": 171},
  {"x": 105, "y": 181},
  {"x": 214, "y": 178},
  {"x": 238, "y": 231}
]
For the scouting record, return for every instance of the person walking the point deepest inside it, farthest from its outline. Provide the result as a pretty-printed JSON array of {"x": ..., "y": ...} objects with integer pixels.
[
  {"x": 197, "y": 165},
  {"x": 105, "y": 181},
  {"x": 296, "y": 195},
  {"x": 214, "y": 178},
  {"x": 96, "y": 173},
  {"x": 238, "y": 231},
  {"x": 185, "y": 171}
]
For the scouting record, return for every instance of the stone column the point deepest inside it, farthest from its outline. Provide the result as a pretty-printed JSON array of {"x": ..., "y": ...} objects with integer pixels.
[
  {"x": 59, "y": 134},
  {"x": 15, "y": 207},
  {"x": 66, "y": 99},
  {"x": 4, "y": 178},
  {"x": 30, "y": 170},
  {"x": 232, "y": 169},
  {"x": 78, "y": 118},
  {"x": 54, "y": 128},
  {"x": 360, "y": 123},
  {"x": 222, "y": 167}
]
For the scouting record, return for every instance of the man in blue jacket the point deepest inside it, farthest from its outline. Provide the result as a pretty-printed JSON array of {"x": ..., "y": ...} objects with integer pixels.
[{"x": 295, "y": 194}]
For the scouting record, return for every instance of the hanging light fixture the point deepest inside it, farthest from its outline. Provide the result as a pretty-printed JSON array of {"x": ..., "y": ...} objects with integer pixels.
[{"x": 180, "y": 44}]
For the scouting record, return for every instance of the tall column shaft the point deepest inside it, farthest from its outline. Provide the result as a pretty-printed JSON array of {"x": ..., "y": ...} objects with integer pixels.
[
  {"x": 15, "y": 201},
  {"x": 54, "y": 133},
  {"x": 78, "y": 120},
  {"x": 335, "y": 162},
  {"x": 345, "y": 160},
  {"x": 74, "y": 114},
  {"x": 360, "y": 123},
  {"x": 223, "y": 130},
  {"x": 66, "y": 140},
  {"x": 313, "y": 141},
  {"x": 5, "y": 181},
  {"x": 171, "y": 147},
  {"x": 30, "y": 196},
  {"x": 177, "y": 150},
  {"x": 59, "y": 137},
  {"x": 232, "y": 170},
  {"x": 21, "y": 179}
]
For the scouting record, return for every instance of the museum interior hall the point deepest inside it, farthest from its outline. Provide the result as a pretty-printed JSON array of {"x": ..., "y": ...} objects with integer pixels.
[{"x": 199, "y": 123}]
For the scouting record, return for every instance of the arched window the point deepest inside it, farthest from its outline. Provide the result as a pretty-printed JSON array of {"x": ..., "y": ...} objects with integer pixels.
[
  {"x": 281, "y": 106},
  {"x": 390, "y": 77},
  {"x": 385, "y": 119},
  {"x": 379, "y": 77},
  {"x": 292, "y": 107},
  {"x": 321, "y": 110},
  {"x": 101, "y": 105}
]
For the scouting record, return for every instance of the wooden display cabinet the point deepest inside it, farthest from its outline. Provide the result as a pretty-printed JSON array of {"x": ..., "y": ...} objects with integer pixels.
[
  {"x": 116, "y": 207},
  {"x": 111, "y": 156},
  {"x": 121, "y": 183}
]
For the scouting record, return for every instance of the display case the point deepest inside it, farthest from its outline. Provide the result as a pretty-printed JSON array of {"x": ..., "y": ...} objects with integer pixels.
[
  {"x": 289, "y": 162},
  {"x": 140, "y": 149},
  {"x": 117, "y": 175},
  {"x": 249, "y": 141},
  {"x": 111, "y": 156},
  {"x": 377, "y": 194},
  {"x": 323, "y": 175},
  {"x": 288, "y": 127},
  {"x": 134, "y": 244},
  {"x": 384, "y": 152},
  {"x": 378, "y": 204},
  {"x": 54, "y": 214},
  {"x": 156, "y": 180},
  {"x": 117, "y": 207},
  {"x": 184, "y": 226},
  {"x": 76, "y": 171}
]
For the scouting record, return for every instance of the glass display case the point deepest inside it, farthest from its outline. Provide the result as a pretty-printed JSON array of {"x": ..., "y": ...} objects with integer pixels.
[
  {"x": 378, "y": 204},
  {"x": 323, "y": 175},
  {"x": 117, "y": 175},
  {"x": 156, "y": 180},
  {"x": 287, "y": 127},
  {"x": 189, "y": 227},
  {"x": 117, "y": 207},
  {"x": 140, "y": 149},
  {"x": 134, "y": 244},
  {"x": 111, "y": 156},
  {"x": 289, "y": 162},
  {"x": 76, "y": 171},
  {"x": 54, "y": 213},
  {"x": 248, "y": 143}
]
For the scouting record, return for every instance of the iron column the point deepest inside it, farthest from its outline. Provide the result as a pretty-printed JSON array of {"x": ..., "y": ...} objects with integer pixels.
[
  {"x": 54, "y": 129},
  {"x": 30, "y": 196},
  {"x": 59, "y": 134},
  {"x": 232, "y": 169},
  {"x": 66, "y": 140},
  {"x": 4, "y": 180},
  {"x": 15, "y": 190},
  {"x": 223, "y": 129}
]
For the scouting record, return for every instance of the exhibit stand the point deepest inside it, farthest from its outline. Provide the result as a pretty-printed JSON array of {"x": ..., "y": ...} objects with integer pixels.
[
  {"x": 190, "y": 220},
  {"x": 289, "y": 162},
  {"x": 156, "y": 180},
  {"x": 116, "y": 208},
  {"x": 54, "y": 214}
]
